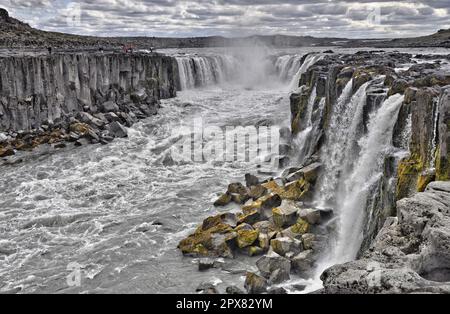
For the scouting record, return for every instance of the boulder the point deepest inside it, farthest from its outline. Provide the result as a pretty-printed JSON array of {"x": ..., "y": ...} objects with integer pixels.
[
  {"x": 246, "y": 238},
  {"x": 264, "y": 241},
  {"x": 223, "y": 200},
  {"x": 308, "y": 241},
  {"x": 285, "y": 215},
  {"x": 239, "y": 198},
  {"x": 6, "y": 152},
  {"x": 237, "y": 188},
  {"x": 270, "y": 201},
  {"x": 117, "y": 130},
  {"x": 250, "y": 217},
  {"x": 271, "y": 262},
  {"x": 257, "y": 191},
  {"x": 297, "y": 230},
  {"x": 278, "y": 276},
  {"x": 308, "y": 173},
  {"x": 109, "y": 106},
  {"x": 251, "y": 180},
  {"x": 303, "y": 262},
  {"x": 253, "y": 251},
  {"x": 312, "y": 216},
  {"x": 255, "y": 284},
  {"x": 215, "y": 237},
  {"x": 285, "y": 245}
]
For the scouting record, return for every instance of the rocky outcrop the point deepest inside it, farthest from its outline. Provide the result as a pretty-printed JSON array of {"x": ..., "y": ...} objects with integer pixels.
[
  {"x": 411, "y": 253},
  {"x": 443, "y": 151},
  {"x": 65, "y": 97},
  {"x": 276, "y": 225},
  {"x": 420, "y": 137}
]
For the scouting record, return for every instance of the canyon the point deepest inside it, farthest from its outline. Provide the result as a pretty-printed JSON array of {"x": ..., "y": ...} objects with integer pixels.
[{"x": 359, "y": 202}]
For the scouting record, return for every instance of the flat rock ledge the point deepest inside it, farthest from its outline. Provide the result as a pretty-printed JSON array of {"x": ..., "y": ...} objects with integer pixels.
[{"x": 411, "y": 253}]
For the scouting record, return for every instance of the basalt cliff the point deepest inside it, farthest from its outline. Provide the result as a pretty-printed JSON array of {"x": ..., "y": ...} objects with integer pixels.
[{"x": 78, "y": 97}]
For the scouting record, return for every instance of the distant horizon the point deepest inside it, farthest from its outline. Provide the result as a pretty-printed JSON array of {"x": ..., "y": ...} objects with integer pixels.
[{"x": 347, "y": 19}]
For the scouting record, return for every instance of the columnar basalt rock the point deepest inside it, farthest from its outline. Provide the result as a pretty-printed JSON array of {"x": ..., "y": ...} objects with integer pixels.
[
  {"x": 421, "y": 129},
  {"x": 443, "y": 152},
  {"x": 41, "y": 94}
]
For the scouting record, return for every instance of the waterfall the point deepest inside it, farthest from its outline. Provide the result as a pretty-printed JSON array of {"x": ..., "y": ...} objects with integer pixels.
[
  {"x": 346, "y": 114},
  {"x": 435, "y": 139},
  {"x": 358, "y": 183},
  {"x": 287, "y": 66},
  {"x": 202, "y": 71},
  {"x": 306, "y": 140},
  {"x": 310, "y": 60},
  {"x": 245, "y": 68}
]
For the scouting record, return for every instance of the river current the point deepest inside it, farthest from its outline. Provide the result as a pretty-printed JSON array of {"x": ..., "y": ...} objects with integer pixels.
[{"x": 117, "y": 212}]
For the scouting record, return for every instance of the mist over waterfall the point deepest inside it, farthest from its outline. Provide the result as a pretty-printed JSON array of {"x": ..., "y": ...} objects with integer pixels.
[
  {"x": 200, "y": 71},
  {"x": 248, "y": 67}
]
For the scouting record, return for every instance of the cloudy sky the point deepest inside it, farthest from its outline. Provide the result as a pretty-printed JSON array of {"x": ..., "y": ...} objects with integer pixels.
[{"x": 183, "y": 18}]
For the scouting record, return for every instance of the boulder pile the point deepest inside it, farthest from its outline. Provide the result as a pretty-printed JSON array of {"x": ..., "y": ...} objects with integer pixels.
[{"x": 274, "y": 222}]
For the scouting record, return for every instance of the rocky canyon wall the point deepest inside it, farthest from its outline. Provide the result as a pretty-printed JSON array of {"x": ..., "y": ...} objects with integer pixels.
[
  {"x": 62, "y": 96},
  {"x": 354, "y": 90}
]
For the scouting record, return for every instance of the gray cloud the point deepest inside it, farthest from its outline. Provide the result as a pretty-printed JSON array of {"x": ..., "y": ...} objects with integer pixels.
[{"x": 366, "y": 18}]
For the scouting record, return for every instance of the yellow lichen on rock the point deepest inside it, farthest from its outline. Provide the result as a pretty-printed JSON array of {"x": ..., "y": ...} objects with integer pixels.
[
  {"x": 246, "y": 238},
  {"x": 80, "y": 128},
  {"x": 301, "y": 227}
]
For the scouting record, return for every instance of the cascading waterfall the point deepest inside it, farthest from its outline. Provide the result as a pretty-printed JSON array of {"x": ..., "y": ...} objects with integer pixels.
[
  {"x": 201, "y": 71},
  {"x": 310, "y": 60},
  {"x": 287, "y": 66},
  {"x": 246, "y": 68},
  {"x": 434, "y": 140},
  {"x": 305, "y": 142},
  {"x": 334, "y": 152},
  {"x": 365, "y": 174}
]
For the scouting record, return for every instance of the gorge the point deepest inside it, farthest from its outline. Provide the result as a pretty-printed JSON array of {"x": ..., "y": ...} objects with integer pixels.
[{"x": 360, "y": 202}]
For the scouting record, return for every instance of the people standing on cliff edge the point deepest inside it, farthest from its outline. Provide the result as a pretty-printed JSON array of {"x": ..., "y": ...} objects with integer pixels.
[{"x": 49, "y": 50}]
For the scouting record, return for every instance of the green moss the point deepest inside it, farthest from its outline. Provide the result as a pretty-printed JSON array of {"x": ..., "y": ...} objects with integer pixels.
[
  {"x": 301, "y": 227},
  {"x": 246, "y": 238},
  {"x": 408, "y": 176},
  {"x": 442, "y": 166},
  {"x": 423, "y": 181}
]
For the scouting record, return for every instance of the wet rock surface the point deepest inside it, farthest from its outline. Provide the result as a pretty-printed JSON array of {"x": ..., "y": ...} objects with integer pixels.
[{"x": 409, "y": 255}]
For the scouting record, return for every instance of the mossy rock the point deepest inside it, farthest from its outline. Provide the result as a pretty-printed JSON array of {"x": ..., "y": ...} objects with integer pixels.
[
  {"x": 424, "y": 179},
  {"x": 196, "y": 244},
  {"x": 223, "y": 200},
  {"x": 251, "y": 207},
  {"x": 253, "y": 251},
  {"x": 251, "y": 217},
  {"x": 442, "y": 165},
  {"x": 295, "y": 191},
  {"x": 6, "y": 151},
  {"x": 80, "y": 128},
  {"x": 408, "y": 174},
  {"x": 246, "y": 238},
  {"x": 301, "y": 227}
]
